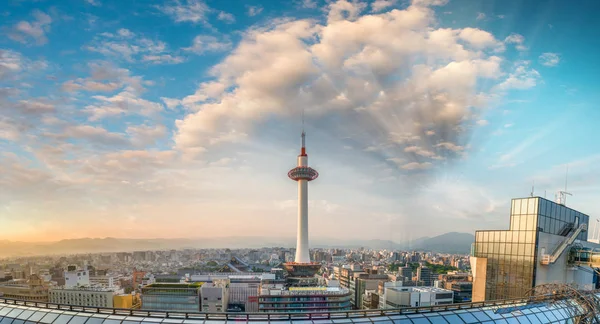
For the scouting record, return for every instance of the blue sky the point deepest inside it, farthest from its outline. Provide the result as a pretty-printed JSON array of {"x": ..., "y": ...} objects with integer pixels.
[{"x": 182, "y": 118}]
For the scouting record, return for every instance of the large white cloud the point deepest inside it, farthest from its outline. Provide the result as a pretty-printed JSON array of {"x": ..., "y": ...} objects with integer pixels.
[{"x": 387, "y": 73}]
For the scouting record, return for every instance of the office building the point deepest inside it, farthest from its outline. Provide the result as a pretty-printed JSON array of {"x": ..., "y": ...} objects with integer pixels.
[
  {"x": 33, "y": 289},
  {"x": 277, "y": 298},
  {"x": 463, "y": 291},
  {"x": 533, "y": 251},
  {"x": 76, "y": 278},
  {"x": 370, "y": 300},
  {"x": 424, "y": 276},
  {"x": 215, "y": 295},
  {"x": 396, "y": 297},
  {"x": 171, "y": 296},
  {"x": 406, "y": 272},
  {"x": 83, "y": 296},
  {"x": 363, "y": 282},
  {"x": 102, "y": 281}
]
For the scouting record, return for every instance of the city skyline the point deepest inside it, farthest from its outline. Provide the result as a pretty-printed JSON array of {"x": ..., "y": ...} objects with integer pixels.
[{"x": 173, "y": 119}]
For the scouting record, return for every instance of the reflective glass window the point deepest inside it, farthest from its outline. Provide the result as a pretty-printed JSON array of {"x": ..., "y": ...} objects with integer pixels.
[
  {"x": 6, "y": 320},
  {"x": 18, "y": 321}
]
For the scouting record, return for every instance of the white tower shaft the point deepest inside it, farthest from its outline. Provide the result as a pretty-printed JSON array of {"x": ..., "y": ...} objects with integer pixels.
[{"x": 302, "y": 252}]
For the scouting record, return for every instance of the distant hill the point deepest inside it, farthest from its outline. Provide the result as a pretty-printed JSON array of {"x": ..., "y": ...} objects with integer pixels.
[
  {"x": 452, "y": 242},
  {"x": 445, "y": 243}
]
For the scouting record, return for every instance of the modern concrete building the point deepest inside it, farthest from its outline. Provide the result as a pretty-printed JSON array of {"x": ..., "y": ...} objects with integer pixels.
[
  {"x": 102, "y": 281},
  {"x": 533, "y": 251},
  {"x": 396, "y": 297},
  {"x": 361, "y": 283},
  {"x": 75, "y": 278},
  {"x": 83, "y": 296},
  {"x": 215, "y": 295}
]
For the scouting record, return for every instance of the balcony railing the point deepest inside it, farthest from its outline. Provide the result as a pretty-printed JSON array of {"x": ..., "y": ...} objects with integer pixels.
[{"x": 274, "y": 316}]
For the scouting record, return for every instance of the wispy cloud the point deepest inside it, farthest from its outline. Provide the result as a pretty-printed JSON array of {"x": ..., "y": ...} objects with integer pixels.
[
  {"x": 254, "y": 10},
  {"x": 380, "y": 5},
  {"x": 226, "y": 17},
  {"x": 36, "y": 30},
  {"x": 205, "y": 44},
  {"x": 480, "y": 16},
  {"x": 95, "y": 3},
  {"x": 549, "y": 59},
  {"x": 516, "y": 39},
  {"x": 193, "y": 11},
  {"x": 126, "y": 45}
]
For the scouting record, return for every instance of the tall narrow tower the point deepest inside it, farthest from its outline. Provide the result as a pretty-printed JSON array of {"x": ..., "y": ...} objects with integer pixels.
[{"x": 302, "y": 174}]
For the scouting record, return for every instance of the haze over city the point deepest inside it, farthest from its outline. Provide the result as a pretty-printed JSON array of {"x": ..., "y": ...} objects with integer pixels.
[{"x": 181, "y": 119}]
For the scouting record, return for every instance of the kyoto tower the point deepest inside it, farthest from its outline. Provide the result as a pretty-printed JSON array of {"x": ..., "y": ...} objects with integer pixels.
[{"x": 302, "y": 267}]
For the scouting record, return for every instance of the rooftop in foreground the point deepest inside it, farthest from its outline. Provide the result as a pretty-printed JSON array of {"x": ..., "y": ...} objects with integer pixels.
[{"x": 554, "y": 310}]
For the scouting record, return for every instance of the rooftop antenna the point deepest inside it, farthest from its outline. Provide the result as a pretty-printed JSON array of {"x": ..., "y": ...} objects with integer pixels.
[
  {"x": 532, "y": 188},
  {"x": 562, "y": 195}
]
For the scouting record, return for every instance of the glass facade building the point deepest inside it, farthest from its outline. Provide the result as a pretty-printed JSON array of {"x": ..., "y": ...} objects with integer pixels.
[
  {"x": 176, "y": 297},
  {"x": 512, "y": 254}
]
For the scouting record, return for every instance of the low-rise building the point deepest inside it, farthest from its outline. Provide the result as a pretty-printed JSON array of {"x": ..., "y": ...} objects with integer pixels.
[
  {"x": 33, "y": 289},
  {"x": 102, "y": 281},
  {"x": 75, "y": 278},
  {"x": 276, "y": 298},
  {"x": 396, "y": 297},
  {"x": 83, "y": 296},
  {"x": 171, "y": 296},
  {"x": 215, "y": 295}
]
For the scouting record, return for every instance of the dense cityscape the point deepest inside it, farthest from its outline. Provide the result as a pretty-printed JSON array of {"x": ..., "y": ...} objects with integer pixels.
[{"x": 127, "y": 278}]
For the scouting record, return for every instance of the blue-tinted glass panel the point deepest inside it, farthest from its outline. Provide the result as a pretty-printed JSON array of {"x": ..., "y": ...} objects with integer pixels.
[
  {"x": 481, "y": 316},
  {"x": 18, "y": 321},
  {"x": 421, "y": 320},
  {"x": 62, "y": 319},
  {"x": 78, "y": 319},
  {"x": 49, "y": 318},
  {"x": 468, "y": 318},
  {"x": 25, "y": 315},
  {"x": 437, "y": 320},
  {"x": 95, "y": 320},
  {"x": 14, "y": 313},
  {"x": 37, "y": 316},
  {"x": 533, "y": 319}
]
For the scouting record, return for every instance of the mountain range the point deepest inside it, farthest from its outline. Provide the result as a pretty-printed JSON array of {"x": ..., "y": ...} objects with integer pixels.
[{"x": 452, "y": 242}]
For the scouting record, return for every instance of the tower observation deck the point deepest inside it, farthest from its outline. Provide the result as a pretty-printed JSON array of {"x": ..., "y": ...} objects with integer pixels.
[{"x": 302, "y": 267}]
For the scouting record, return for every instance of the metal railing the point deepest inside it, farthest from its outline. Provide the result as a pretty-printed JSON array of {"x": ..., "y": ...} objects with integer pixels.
[{"x": 271, "y": 316}]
